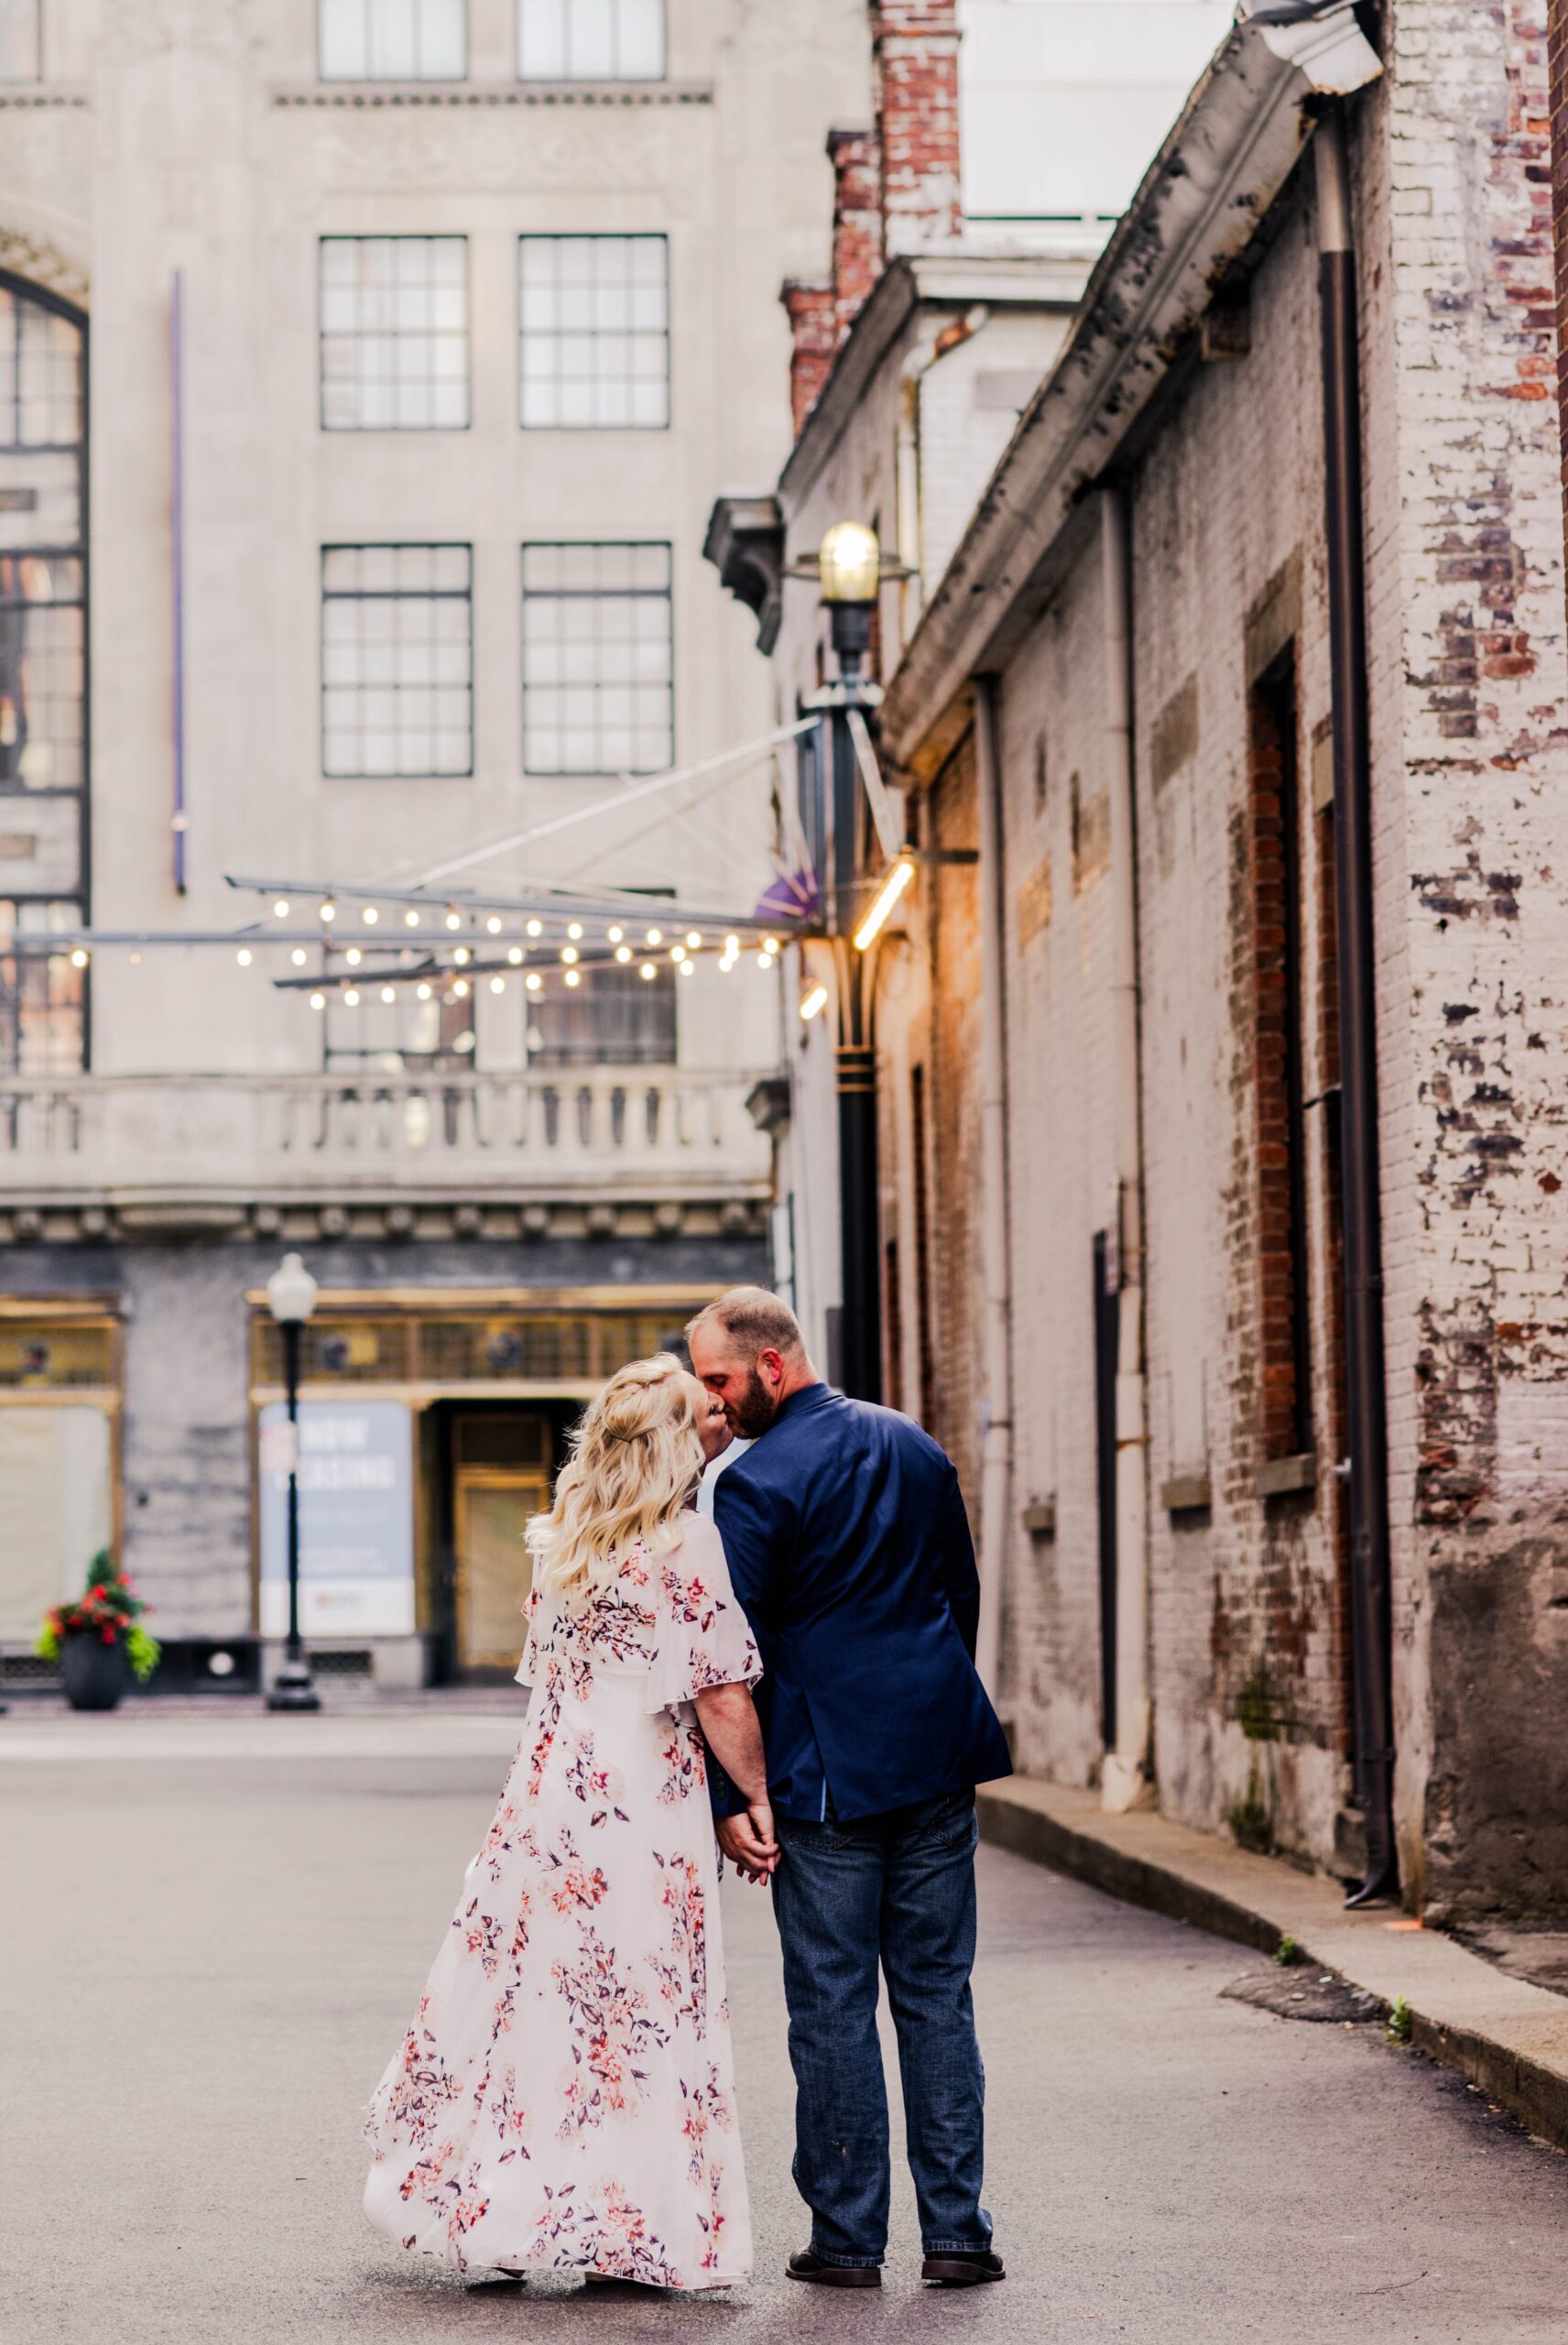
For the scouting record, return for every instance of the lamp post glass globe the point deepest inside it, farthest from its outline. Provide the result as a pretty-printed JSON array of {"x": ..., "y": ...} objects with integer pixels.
[
  {"x": 291, "y": 1298},
  {"x": 849, "y": 564}
]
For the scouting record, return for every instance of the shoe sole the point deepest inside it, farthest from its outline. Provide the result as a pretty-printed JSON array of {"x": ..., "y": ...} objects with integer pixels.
[
  {"x": 837, "y": 2276},
  {"x": 939, "y": 2273}
]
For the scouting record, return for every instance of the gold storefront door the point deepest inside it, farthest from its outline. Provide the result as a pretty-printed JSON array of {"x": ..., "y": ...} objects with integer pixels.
[{"x": 494, "y": 1573}]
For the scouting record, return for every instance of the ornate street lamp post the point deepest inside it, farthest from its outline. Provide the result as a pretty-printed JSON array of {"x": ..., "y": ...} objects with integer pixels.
[{"x": 291, "y": 1298}]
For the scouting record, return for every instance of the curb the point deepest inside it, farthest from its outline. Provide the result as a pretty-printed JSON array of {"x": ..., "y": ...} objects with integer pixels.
[{"x": 1499, "y": 2033}]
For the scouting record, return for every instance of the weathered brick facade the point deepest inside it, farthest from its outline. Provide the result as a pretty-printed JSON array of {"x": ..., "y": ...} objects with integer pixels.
[{"x": 1239, "y": 1057}]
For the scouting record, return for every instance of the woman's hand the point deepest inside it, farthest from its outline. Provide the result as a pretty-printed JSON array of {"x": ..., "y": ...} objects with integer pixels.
[{"x": 748, "y": 1841}]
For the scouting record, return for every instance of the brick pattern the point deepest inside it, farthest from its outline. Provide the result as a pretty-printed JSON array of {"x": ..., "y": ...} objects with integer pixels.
[
  {"x": 812, "y": 311},
  {"x": 915, "y": 48},
  {"x": 1557, "y": 95},
  {"x": 856, "y": 158}
]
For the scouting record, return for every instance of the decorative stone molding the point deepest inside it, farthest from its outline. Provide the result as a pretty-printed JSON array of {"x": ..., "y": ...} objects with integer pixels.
[
  {"x": 393, "y": 97},
  {"x": 44, "y": 265},
  {"x": 399, "y": 1221}
]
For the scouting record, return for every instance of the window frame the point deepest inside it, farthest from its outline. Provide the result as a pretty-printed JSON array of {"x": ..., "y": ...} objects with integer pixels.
[
  {"x": 665, "y": 595},
  {"x": 546, "y": 81},
  {"x": 556, "y": 334},
  {"x": 391, "y": 594},
  {"x": 340, "y": 80},
  {"x": 27, "y": 81},
  {"x": 355, "y": 237}
]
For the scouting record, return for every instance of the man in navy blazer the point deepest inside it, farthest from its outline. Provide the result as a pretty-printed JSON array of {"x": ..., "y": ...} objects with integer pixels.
[{"x": 850, "y": 1551}]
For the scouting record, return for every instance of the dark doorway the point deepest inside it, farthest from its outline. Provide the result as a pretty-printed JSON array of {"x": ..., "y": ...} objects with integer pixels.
[
  {"x": 496, "y": 1463},
  {"x": 1107, "y": 1331}
]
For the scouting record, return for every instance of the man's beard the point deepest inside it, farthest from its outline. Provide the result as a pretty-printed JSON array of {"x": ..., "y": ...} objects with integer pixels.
[{"x": 753, "y": 1415}]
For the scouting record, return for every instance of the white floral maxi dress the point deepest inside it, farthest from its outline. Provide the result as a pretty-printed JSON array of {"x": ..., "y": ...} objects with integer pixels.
[{"x": 565, "y": 2097}]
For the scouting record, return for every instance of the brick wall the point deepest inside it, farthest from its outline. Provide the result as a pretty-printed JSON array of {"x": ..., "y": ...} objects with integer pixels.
[
  {"x": 915, "y": 49},
  {"x": 1557, "y": 92}
]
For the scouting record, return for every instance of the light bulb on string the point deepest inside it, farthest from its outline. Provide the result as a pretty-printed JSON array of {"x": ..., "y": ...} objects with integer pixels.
[
  {"x": 765, "y": 960},
  {"x": 493, "y": 925},
  {"x": 514, "y": 956},
  {"x": 575, "y": 929},
  {"x": 318, "y": 1001},
  {"x": 693, "y": 938},
  {"x": 354, "y": 956},
  {"x": 533, "y": 981},
  {"x": 242, "y": 956},
  {"x": 647, "y": 971},
  {"x": 462, "y": 956},
  {"x": 498, "y": 985},
  {"x": 770, "y": 944},
  {"x": 460, "y": 989},
  {"x": 624, "y": 953},
  {"x": 280, "y": 908},
  {"x": 569, "y": 953},
  {"x": 655, "y": 936},
  {"x": 732, "y": 944},
  {"x": 329, "y": 911},
  {"x": 535, "y": 928},
  {"x": 298, "y": 957},
  {"x": 688, "y": 968},
  {"x": 574, "y": 976},
  {"x": 422, "y": 992},
  {"x": 370, "y": 915},
  {"x": 617, "y": 934},
  {"x": 678, "y": 952},
  {"x": 410, "y": 918},
  {"x": 389, "y": 993},
  {"x": 453, "y": 919},
  {"x": 352, "y": 997}
]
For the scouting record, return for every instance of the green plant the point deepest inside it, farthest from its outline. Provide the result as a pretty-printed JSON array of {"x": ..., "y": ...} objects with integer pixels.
[
  {"x": 110, "y": 1610},
  {"x": 1287, "y": 1952},
  {"x": 1399, "y": 2025},
  {"x": 1251, "y": 1824}
]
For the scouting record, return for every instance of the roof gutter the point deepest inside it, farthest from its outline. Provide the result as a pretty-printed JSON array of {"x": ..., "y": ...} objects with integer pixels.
[{"x": 1228, "y": 157}]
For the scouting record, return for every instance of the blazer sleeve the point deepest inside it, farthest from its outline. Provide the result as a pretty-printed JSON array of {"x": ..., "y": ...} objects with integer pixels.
[
  {"x": 955, "y": 1552},
  {"x": 748, "y": 1522}
]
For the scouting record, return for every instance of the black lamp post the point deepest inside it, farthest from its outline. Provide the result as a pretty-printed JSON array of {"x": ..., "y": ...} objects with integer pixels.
[{"x": 291, "y": 1298}]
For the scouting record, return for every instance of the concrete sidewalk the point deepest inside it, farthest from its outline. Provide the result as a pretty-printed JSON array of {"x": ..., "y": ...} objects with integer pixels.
[{"x": 1500, "y": 2033}]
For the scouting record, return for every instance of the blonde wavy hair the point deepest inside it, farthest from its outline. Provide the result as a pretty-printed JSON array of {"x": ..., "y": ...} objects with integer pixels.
[{"x": 636, "y": 1459}]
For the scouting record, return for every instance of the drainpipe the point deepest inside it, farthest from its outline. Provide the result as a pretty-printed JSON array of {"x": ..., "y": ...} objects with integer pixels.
[
  {"x": 907, "y": 457},
  {"x": 997, "y": 1441},
  {"x": 1364, "y": 1374},
  {"x": 1127, "y": 1777}
]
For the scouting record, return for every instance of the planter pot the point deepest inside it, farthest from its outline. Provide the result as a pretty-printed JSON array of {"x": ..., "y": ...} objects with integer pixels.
[{"x": 94, "y": 1675}]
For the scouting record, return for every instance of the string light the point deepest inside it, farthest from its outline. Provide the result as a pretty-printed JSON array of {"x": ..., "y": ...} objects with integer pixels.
[
  {"x": 569, "y": 955},
  {"x": 493, "y": 925},
  {"x": 461, "y": 989},
  {"x": 422, "y": 992},
  {"x": 389, "y": 993},
  {"x": 575, "y": 929},
  {"x": 242, "y": 956},
  {"x": 731, "y": 946},
  {"x": 453, "y": 919},
  {"x": 765, "y": 960},
  {"x": 617, "y": 934},
  {"x": 498, "y": 985},
  {"x": 462, "y": 956},
  {"x": 813, "y": 1001},
  {"x": 574, "y": 976},
  {"x": 329, "y": 909},
  {"x": 678, "y": 951},
  {"x": 298, "y": 957},
  {"x": 688, "y": 968},
  {"x": 533, "y": 981},
  {"x": 354, "y": 956},
  {"x": 370, "y": 915},
  {"x": 656, "y": 937},
  {"x": 410, "y": 918},
  {"x": 136, "y": 960},
  {"x": 536, "y": 928},
  {"x": 281, "y": 908},
  {"x": 514, "y": 956},
  {"x": 693, "y": 938},
  {"x": 624, "y": 954},
  {"x": 352, "y": 997},
  {"x": 647, "y": 971},
  {"x": 770, "y": 944},
  {"x": 318, "y": 1001},
  {"x": 888, "y": 895}
]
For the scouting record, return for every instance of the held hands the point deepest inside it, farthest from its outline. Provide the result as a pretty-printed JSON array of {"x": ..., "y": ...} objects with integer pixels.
[{"x": 749, "y": 1842}]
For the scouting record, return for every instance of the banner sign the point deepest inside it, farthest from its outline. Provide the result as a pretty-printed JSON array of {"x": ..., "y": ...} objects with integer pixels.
[{"x": 357, "y": 1519}]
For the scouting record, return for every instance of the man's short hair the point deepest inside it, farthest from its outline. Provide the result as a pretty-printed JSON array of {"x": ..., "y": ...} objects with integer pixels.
[{"x": 754, "y": 1320}]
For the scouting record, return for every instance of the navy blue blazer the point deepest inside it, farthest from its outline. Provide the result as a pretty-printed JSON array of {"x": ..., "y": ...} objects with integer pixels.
[{"x": 850, "y": 1552}]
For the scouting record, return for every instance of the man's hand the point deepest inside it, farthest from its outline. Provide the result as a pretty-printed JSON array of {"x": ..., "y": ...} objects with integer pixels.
[{"x": 748, "y": 1841}]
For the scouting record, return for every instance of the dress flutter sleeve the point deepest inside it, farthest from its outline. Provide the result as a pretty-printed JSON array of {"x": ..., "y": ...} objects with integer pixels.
[
  {"x": 703, "y": 1639},
  {"x": 529, "y": 1666}
]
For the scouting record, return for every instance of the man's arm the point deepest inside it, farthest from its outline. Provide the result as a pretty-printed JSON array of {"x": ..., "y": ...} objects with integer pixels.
[
  {"x": 955, "y": 1557},
  {"x": 748, "y": 1522}
]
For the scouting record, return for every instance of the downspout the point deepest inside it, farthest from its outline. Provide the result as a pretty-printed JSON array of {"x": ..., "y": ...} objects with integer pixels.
[
  {"x": 997, "y": 1437},
  {"x": 1128, "y": 1776},
  {"x": 1364, "y": 1372},
  {"x": 917, "y": 365}
]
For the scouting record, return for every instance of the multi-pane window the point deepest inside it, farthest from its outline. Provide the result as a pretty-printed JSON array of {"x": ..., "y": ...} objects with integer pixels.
[
  {"x": 397, "y": 660},
  {"x": 591, "y": 41},
  {"x": 615, "y": 1018},
  {"x": 40, "y": 993},
  {"x": 394, "y": 333},
  {"x": 598, "y": 659},
  {"x": 42, "y": 703},
  {"x": 402, "y": 1036},
  {"x": 594, "y": 315},
  {"x": 393, "y": 40},
  {"x": 21, "y": 40}
]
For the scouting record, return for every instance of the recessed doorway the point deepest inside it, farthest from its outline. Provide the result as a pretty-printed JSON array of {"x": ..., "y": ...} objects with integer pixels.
[{"x": 503, "y": 1462}]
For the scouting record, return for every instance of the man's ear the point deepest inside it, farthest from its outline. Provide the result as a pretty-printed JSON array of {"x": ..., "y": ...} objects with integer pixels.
[{"x": 771, "y": 1364}]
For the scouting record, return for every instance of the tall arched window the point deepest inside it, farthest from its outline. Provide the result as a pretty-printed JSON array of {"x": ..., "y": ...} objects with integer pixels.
[{"x": 43, "y": 676}]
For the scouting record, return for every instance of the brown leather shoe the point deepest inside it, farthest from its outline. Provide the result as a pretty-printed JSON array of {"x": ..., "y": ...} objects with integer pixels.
[
  {"x": 807, "y": 2266},
  {"x": 968, "y": 2268}
]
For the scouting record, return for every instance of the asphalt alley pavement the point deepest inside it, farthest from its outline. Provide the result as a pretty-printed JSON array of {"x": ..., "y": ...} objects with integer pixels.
[{"x": 214, "y": 1932}]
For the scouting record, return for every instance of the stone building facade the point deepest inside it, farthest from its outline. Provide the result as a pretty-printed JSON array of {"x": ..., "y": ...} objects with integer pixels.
[
  {"x": 1130, "y": 647},
  {"x": 419, "y": 339}
]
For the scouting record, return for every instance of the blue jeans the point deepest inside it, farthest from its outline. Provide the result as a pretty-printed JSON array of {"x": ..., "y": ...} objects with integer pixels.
[{"x": 897, "y": 1890}]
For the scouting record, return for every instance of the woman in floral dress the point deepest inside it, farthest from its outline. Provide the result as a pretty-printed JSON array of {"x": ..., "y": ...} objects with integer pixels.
[{"x": 565, "y": 2097}]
